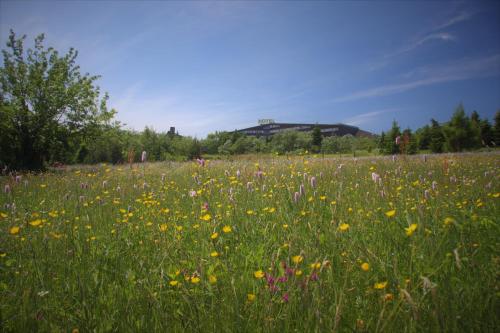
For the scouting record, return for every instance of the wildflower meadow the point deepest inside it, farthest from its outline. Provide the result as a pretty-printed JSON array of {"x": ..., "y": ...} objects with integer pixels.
[{"x": 254, "y": 244}]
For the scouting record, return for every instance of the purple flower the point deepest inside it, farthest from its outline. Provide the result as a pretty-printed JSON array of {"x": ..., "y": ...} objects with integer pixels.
[
  {"x": 313, "y": 182},
  {"x": 144, "y": 156},
  {"x": 285, "y": 297},
  {"x": 314, "y": 276},
  {"x": 296, "y": 197},
  {"x": 6, "y": 188},
  {"x": 270, "y": 280},
  {"x": 434, "y": 185},
  {"x": 427, "y": 195},
  {"x": 282, "y": 279},
  {"x": 302, "y": 191}
]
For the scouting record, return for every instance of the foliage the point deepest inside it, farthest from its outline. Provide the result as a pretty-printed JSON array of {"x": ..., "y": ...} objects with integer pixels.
[
  {"x": 317, "y": 138},
  {"x": 48, "y": 106}
]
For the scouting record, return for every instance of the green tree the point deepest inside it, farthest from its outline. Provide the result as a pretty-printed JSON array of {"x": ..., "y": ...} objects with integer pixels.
[
  {"x": 458, "y": 132},
  {"x": 496, "y": 129},
  {"x": 423, "y": 136},
  {"x": 475, "y": 140},
  {"x": 317, "y": 138},
  {"x": 391, "y": 147},
  {"x": 437, "y": 138},
  {"x": 51, "y": 106},
  {"x": 487, "y": 137}
]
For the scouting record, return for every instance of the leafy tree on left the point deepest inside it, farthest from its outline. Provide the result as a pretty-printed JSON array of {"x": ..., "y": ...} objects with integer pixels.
[{"x": 48, "y": 108}]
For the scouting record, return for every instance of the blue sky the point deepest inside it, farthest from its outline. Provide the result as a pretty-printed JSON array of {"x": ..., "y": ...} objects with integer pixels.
[{"x": 206, "y": 66}]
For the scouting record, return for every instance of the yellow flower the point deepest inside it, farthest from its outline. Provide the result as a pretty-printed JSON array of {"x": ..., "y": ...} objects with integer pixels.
[
  {"x": 14, "y": 230},
  {"x": 214, "y": 254},
  {"x": 195, "y": 280},
  {"x": 251, "y": 297},
  {"x": 212, "y": 279},
  {"x": 388, "y": 297},
  {"x": 227, "y": 229},
  {"x": 206, "y": 217},
  {"x": 448, "y": 221},
  {"x": 380, "y": 285},
  {"x": 343, "y": 227},
  {"x": 173, "y": 283},
  {"x": 163, "y": 227},
  {"x": 316, "y": 265},
  {"x": 411, "y": 229},
  {"x": 390, "y": 213},
  {"x": 250, "y": 212},
  {"x": 297, "y": 259},
  {"x": 214, "y": 235},
  {"x": 298, "y": 272},
  {"x": 36, "y": 222},
  {"x": 365, "y": 266},
  {"x": 259, "y": 274}
]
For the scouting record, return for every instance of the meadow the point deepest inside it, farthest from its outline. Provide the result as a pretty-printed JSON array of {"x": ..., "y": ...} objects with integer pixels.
[{"x": 275, "y": 244}]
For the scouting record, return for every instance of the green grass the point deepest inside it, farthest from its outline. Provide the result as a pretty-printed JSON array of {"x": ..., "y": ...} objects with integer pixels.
[{"x": 104, "y": 258}]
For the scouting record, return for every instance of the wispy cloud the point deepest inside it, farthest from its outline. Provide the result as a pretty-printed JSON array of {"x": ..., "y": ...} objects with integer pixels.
[
  {"x": 441, "y": 36},
  {"x": 460, "y": 17},
  {"x": 367, "y": 117},
  {"x": 431, "y": 34},
  {"x": 461, "y": 70}
]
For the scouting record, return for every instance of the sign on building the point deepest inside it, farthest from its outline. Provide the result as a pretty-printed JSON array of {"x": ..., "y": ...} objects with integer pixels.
[{"x": 266, "y": 121}]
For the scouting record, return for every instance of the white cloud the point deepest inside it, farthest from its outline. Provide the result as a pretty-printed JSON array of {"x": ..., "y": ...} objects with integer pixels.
[
  {"x": 461, "y": 70},
  {"x": 460, "y": 17},
  {"x": 367, "y": 117}
]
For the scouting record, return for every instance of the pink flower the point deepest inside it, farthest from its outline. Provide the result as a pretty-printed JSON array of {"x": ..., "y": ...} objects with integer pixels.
[
  {"x": 426, "y": 194},
  {"x": 205, "y": 206},
  {"x": 302, "y": 190},
  {"x": 143, "y": 156},
  {"x": 192, "y": 193},
  {"x": 296, "y": 197},
  {"x": 6, "y": 188},
  {"x": 313, "y": 182},
  {"x": 238, "y": 173},
  {"x": 398, "y": 140},
  {"x": 285, "y": 297}
]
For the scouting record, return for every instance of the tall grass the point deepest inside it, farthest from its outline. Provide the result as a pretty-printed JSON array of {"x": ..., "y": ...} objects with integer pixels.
[{"x": 145, "y": 249}]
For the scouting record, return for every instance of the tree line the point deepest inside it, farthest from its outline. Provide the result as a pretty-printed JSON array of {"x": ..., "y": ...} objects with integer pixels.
[
  {"x": 460, "y": 133},
  {"x": 51, "y": 113}
]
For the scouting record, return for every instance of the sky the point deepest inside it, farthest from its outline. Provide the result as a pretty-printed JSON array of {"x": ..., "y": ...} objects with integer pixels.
[{"x": 211, "y": 66}]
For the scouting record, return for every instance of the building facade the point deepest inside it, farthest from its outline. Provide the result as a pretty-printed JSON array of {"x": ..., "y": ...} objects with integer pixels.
[{"x": 268, "y": 127}]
